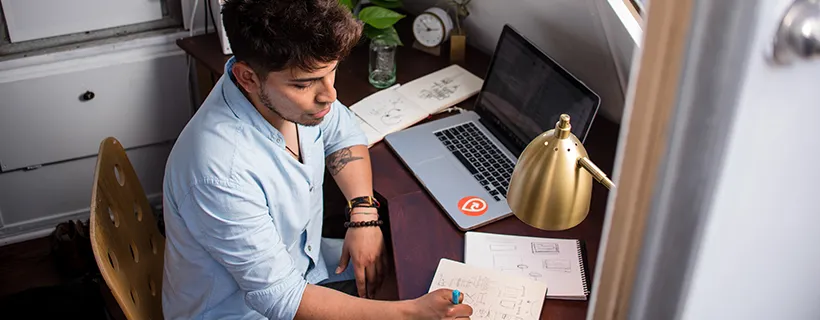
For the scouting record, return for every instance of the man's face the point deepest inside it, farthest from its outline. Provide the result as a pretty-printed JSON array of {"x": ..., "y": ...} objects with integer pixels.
[{"x": 293, "y": 94}]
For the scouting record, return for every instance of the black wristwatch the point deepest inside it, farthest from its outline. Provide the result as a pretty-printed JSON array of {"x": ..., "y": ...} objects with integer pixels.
[{"x": 360, "y": 202}]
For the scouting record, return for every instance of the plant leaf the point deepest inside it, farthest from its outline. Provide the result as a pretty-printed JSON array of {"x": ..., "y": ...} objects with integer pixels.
[
  {"x": 389, "y": 35},
  {"x": 392, "y": 4},
  {"x": 350, "y": 4},
  {"x": 379, "y": 17}
]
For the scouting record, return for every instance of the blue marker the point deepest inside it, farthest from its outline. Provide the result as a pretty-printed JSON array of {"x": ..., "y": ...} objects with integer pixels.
[{"x": 456, "y": 296}]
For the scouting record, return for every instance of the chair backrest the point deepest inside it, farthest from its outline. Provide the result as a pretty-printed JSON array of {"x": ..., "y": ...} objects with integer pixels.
[{"x": 127, "y": 244}]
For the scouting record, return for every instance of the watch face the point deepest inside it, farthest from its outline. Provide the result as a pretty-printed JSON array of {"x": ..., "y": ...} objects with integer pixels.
[{"x": 428, "y": 30}]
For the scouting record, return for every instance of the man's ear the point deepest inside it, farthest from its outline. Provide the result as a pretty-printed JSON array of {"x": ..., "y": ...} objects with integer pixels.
[{"x": 246, "y": 77}]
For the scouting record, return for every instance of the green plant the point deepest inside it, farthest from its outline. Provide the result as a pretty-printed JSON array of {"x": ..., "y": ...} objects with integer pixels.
[{"x": 378, "y": 18}]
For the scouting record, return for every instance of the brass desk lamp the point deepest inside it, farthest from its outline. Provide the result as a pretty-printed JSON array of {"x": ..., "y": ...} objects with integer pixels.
[{"x": 549, "y": 190}]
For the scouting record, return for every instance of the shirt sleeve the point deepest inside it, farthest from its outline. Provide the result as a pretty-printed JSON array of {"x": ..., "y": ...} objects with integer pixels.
[
  {"x": 231, "y": 221},
  {"x": 340, "y": 129}
]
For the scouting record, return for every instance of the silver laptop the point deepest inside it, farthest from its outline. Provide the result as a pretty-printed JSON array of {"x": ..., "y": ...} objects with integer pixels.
[{"x": 465, "y": 161}]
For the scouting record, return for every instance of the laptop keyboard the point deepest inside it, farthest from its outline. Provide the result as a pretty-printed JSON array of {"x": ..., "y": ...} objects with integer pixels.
[{"x": 491, "y": 168}]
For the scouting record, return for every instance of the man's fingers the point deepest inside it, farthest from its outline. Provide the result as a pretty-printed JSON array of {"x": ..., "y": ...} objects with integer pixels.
[
  {"x": 343, "y": 260},
  {"x": 381, "y": 269},
  {"x": 360, "y": 280},
  {"x": 371, "y": 280},
  {"x": 461, "y": 310}
]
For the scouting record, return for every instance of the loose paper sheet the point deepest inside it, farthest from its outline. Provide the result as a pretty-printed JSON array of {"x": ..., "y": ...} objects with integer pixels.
[{"x": 492, "y": 294}]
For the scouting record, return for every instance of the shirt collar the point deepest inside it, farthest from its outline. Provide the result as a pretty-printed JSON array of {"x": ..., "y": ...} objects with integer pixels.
[{"x": 243, "y": 108}]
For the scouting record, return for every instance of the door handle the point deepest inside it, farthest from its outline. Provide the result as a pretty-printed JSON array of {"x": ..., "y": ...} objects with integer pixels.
[{"x": 798, "y": 36}]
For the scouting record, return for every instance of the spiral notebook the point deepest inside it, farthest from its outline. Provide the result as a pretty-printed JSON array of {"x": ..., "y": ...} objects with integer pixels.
[{"x": 560, "y": 263}]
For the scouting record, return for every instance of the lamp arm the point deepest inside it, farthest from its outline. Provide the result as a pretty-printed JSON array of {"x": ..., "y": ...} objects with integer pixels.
[{"x": 596, "y": 172}]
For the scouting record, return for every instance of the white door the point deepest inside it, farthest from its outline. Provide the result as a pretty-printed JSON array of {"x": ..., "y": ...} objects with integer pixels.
[
  {"x": 760, "y": 248},
  {"x": 731, "y": 203}
]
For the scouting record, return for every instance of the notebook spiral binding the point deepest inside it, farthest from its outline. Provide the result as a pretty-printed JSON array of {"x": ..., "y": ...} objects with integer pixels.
[{"x": 581, "y": 255}]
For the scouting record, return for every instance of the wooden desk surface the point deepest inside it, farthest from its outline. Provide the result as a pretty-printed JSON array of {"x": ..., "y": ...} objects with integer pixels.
[{"x": 422, "y": 234}]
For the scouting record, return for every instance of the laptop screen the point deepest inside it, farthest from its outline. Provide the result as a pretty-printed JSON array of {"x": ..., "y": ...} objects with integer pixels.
[{"x": 525, "y": 92}]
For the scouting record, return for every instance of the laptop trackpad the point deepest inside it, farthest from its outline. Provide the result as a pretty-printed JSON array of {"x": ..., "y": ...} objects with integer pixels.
[{"x": 442, "y": 173}]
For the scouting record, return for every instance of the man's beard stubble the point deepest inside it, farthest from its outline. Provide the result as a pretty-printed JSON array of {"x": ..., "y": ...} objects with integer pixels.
[{"x": 266, "y": 101}]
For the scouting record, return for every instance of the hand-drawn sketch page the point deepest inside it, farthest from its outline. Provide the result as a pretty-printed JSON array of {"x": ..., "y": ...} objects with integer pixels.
[
  {"x": 555, "y": 262},
  {"x": 441, "y": 89},
  {"x": 492, "y": 295},
  {"x": 372, "y": 135},
  {"x": 387, "y": 111}
]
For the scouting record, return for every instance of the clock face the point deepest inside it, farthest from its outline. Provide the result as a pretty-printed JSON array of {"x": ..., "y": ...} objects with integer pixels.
[{"x": 428, "y": 30}]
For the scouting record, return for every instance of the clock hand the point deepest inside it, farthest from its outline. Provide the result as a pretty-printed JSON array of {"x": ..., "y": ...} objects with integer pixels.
[{"x": 426, "y": 25}]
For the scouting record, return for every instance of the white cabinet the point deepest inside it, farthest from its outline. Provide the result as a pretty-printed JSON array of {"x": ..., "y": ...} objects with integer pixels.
[
  {"x": 65, "y": 116},
  {"x": 28, "y": 198},
  {"x": 51, "y": 126},
  {"x": 37, "y": 19}
]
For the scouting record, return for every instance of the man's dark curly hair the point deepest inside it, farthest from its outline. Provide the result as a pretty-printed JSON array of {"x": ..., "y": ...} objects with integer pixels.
[{"x": 273, "y": 35}]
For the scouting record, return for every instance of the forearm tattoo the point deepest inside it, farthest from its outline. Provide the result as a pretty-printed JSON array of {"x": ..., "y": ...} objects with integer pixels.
[{"x": 339, "y": 159}]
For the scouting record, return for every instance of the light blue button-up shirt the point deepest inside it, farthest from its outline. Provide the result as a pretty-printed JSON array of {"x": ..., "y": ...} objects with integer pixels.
[{"x": 243, "y": 218}]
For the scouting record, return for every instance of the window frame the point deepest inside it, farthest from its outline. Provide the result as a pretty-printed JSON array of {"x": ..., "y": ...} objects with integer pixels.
[{"x": 171, "y": 20}]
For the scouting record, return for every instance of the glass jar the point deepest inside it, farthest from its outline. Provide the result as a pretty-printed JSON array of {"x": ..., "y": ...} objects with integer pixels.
[{"x": 382, "y": 68}]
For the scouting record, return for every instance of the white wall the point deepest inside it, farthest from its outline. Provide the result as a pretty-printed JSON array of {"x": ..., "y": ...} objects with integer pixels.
[
  {"x": 760, "y": 252},
  {"x": 571, "y": 31}
]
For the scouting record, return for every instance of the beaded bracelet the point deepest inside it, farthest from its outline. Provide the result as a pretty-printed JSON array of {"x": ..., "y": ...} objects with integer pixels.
[{"x": 360, "y": 224}]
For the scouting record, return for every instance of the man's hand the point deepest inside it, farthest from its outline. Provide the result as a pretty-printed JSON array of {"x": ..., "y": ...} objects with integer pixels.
[
  {"x": 366, "y": 247},
  {"x": 438, "y": 305}
]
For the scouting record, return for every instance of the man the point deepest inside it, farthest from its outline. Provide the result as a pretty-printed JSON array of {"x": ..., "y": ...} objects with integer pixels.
[{"x": 243, "y": 184}]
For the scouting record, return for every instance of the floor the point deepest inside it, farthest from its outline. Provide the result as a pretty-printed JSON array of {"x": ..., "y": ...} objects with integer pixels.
[
  {"x": 33, "y": 287},
  {"x": 27, "y": 265},
  {"x": 30, "y": 265}
]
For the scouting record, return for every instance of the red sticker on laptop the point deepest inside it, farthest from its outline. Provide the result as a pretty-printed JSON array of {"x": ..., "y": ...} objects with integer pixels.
[{"x": 472, "y": 206}]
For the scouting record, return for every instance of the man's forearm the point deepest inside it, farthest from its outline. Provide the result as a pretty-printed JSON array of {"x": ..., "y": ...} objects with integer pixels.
[
  {"x": 323, "y": 303},
  {"x": 350, "y": 167}
]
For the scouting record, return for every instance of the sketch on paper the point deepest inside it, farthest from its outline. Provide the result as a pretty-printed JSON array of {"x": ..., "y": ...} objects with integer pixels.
[
  {"x": 502, "y": 247},
  {"x": 507, "y": 262},
  {"x": 391, "y": 113},
  {"x": 475, "y": 298},
  {"x": 442, "y": 89},
  {"x": 544, "y": 247},
  {"x": 552, "y": 261},
  {"x": 387, "y": 111},
  {"x": 561, "y": 265},
  {"x": 491, "y": 294},
  {"x": 507, "y": 304},
  {"x": 513, "y": 292}
]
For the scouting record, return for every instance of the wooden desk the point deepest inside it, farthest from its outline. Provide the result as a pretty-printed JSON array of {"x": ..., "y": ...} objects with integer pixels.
[{"x": 421, "y": 233}]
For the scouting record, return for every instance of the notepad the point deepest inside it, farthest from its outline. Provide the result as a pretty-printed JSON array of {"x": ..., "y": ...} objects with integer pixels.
[
  {"x": 401, "y": 106},
  {"x": 559, "y": 263},
  {"x": 491, "y": 294}
]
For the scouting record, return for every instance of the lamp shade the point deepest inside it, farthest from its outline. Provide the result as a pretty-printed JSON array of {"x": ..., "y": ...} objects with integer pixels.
[{"x": 551, "y": 184}]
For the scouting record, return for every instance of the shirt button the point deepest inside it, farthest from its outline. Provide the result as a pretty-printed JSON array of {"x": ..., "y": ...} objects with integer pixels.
[{"x": 308, "y": 247}]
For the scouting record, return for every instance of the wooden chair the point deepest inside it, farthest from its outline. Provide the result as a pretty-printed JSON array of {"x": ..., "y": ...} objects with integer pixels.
[{"x": 125, "y": 238}]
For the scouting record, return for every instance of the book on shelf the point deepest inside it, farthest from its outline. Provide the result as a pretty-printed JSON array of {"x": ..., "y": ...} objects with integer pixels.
[{"x": 398, "y": 107}]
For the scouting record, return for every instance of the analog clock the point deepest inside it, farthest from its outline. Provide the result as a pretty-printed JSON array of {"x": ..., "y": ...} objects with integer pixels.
[{"x": 432, "y": 27}]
